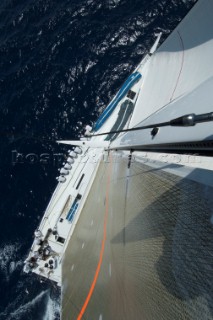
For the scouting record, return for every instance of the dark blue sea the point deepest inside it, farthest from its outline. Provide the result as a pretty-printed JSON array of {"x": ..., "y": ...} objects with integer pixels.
[{"x": 60, "y": 64}]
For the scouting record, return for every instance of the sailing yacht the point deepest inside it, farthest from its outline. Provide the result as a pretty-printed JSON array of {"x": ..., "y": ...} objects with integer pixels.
[{"x": 128, "y": 231}]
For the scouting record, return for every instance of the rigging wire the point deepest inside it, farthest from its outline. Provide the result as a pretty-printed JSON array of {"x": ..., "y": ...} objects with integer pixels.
[{"x": 188, "y": 120}]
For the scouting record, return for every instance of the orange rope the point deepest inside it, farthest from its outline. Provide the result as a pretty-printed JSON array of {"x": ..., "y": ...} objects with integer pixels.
[{"x": 83, "y": 309}]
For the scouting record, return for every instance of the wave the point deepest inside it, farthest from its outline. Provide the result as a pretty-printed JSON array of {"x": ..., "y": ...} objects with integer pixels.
[
  {"x": 8, "y": 259},
  {"x": 52, "y": 309},
  {"x": 49, "y": 311},
  {"x": 23, "y": 309}
]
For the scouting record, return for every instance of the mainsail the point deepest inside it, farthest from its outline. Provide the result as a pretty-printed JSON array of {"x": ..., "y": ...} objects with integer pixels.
[{"x": 154, "y": 222}]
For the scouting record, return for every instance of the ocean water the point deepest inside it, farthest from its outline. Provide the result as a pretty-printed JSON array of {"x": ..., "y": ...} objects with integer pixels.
[{"x": 60, "y": 64}]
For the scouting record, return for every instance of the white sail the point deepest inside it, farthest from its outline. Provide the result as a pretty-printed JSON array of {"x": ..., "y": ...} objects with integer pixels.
[{"x": 177, "y": 80}]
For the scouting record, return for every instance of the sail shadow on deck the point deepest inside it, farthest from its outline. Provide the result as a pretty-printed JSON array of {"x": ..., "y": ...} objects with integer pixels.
[
  {"x": 171, "y": 234},
  {"x": 158, "y": 252}
]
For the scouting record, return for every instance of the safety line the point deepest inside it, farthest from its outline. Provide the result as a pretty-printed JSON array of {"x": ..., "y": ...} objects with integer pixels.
[{"x": 87, "y": 300}]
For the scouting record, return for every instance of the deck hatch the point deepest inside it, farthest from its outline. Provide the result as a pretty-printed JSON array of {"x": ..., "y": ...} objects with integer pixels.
[
  {"x": 79, "y": 183},
  {"x": 131, "y": 94},
  {"x": 74, "y": 207}
]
